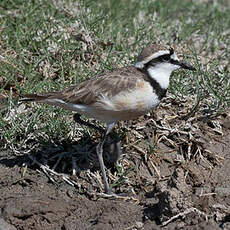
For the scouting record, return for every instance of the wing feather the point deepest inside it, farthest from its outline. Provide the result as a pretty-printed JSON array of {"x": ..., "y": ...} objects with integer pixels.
[{"x": 108, "y": 85}]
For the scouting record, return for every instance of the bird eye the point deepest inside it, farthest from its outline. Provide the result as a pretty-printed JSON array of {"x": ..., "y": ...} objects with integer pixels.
[{"x": 165, "y": 58}]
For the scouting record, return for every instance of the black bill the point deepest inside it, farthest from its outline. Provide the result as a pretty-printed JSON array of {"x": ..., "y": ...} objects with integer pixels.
[
  {"x": 182, "y": 64},
  {"x": 186, "y": 66}
]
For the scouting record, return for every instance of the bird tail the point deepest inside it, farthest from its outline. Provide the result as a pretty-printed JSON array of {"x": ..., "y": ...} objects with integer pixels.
[
  {"x": 51, "y": 98},
  {"x": 34, "y": 97}
]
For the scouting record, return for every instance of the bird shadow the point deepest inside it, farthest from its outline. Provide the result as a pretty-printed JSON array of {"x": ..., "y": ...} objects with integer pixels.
[{"x": 66, "y": 156}]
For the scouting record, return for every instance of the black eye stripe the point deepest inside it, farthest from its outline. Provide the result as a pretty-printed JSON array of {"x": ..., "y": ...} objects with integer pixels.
[
  {"x": 165, "y": 57},
  {"x": 162, "y": 58},
  {"x": 175, "y": 62}
]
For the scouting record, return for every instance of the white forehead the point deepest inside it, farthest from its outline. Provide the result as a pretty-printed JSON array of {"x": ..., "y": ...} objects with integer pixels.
[
  {"x": 140, "y": 64},
  {"x": 174, "y": 57},
  {"x": 155, "y": 55}
]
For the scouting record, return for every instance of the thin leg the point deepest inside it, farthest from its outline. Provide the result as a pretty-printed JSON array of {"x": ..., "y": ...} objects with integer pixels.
[{"x": 99, "y": 150}]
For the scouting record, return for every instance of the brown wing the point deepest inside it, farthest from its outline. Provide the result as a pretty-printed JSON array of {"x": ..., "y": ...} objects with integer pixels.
[{"x": 109, "y": 84}]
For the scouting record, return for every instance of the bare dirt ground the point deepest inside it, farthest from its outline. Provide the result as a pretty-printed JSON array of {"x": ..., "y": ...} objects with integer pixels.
[{"x": 181, "y": 183}]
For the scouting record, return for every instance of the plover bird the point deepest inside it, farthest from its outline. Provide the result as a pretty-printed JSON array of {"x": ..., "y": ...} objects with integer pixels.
[{"x": 121, "y": 94}]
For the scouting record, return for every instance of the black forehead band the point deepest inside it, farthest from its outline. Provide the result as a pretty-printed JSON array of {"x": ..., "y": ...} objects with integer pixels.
[
  {"x": 162, "y": 57},
  {"x": 171, "y": 51}
]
